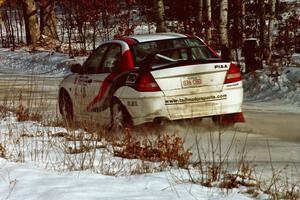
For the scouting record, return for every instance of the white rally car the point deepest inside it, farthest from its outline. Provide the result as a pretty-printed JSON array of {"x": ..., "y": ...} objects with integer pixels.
[{"x": 152, "y": 78}]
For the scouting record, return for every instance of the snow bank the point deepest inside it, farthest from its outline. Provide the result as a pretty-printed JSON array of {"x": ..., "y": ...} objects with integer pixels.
[
  {"x": 289, "y": 1},
  {"x": 36, "y": 63},
  {"x": 144, "y": 29},
  {"x": 283, "y": 85}
]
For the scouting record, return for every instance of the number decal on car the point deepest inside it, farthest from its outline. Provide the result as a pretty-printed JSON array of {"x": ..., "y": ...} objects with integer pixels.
[{"x": 131, "y": 79}]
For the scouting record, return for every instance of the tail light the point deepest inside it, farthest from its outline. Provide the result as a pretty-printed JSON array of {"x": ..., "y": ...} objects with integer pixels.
[
  {"x": 146, "y": 83},
  {"x": 233, "y": 74}
]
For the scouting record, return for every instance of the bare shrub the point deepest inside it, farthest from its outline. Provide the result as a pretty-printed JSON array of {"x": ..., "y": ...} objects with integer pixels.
[
  {"x": 163, "y": 148},
  {"x": 2, "y": 151},
  {"x": 24, "y": 115},
  {"x": 280, "y": 185},
  {"x": 214, "y": 168},
  {"x": 3, "y": 111}
]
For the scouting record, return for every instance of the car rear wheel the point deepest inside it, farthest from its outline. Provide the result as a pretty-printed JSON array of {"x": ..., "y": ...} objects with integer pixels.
[
  {"x": 66, "y": 107},
  {"x": 120, "y": 118}
]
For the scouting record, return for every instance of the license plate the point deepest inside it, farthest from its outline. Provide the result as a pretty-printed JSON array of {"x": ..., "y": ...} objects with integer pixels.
[{"x": 191, "y": 81}]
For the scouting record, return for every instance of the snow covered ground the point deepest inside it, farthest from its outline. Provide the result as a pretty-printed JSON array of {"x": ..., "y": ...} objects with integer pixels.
[
  {"x": 41, "y": 172},
  {"x": 35, "y": 63},
  {"x": 22, "y": 181}
]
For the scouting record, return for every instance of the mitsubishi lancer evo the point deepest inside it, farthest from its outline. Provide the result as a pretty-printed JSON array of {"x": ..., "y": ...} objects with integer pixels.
[{"x": 152, "y": 78}]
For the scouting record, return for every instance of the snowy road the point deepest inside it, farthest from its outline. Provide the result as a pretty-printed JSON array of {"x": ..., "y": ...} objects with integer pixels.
[
  {"x": 280, "y": 121},
  {"x": 35, "y": 92},
  {"x": 283, "y": 125},
  {"x": 267, "y": 127}
]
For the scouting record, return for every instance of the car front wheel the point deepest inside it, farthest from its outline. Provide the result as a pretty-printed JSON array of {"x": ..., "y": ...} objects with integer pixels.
[
  {"x": 120, "y": 118},
  {"x": 66, "y": 107}
]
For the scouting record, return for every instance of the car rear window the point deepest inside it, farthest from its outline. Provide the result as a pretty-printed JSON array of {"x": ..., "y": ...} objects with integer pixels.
[{"x": 173, "y": 50}]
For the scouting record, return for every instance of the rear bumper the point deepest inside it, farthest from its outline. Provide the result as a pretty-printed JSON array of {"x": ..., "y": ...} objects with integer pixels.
[
  {"x": 225, "y": 102},
  {"x": 148, "y": 106}
]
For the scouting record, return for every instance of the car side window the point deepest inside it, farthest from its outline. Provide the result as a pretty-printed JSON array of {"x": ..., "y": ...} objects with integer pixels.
[
  {"x": 93, "y": 63},
  {"x": 112, "y": 59}
]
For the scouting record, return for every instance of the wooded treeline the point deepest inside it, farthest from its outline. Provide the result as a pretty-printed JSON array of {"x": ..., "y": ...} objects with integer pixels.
[{"x": 86, "y": 23}]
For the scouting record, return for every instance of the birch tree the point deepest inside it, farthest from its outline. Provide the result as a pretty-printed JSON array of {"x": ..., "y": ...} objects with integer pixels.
[
  {"x": 160, "y": 11},
  {"x": 208, "y": 28},
  {"x": 243, "y": 21},
  {"x": 271, "y": 26},
  {"x": 223, "y": 28},
  {"x": 200, "y": 11},
  {"x": 31, "y": 23},
  {"x": 48, "y": 18},
  {"x": 261, "y": 30}
]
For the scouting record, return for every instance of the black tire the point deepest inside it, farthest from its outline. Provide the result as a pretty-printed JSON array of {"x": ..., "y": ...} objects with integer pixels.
[
  {"x": 120, "y": 118},
  {"x": 66, "y": 107}
]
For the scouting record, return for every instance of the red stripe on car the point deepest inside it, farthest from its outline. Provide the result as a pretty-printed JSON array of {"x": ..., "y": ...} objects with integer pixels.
[
  {"x": 125, "y": 65},
  {"x": 129, "y": 41}
]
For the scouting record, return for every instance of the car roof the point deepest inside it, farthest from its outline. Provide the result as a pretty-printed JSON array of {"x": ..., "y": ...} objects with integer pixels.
[{"x": 156, "y": 36}]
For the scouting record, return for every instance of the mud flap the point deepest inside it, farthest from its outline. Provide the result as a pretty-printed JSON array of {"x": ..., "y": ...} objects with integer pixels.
[{"x": 232, "y": 118}]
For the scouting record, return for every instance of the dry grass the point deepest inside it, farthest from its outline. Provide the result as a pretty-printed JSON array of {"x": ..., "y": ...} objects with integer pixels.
[
  {"x": 2, "y": 151},
  {"x": 212, "y": 170},
  {"x": 24, "y": 115},
  {"x": 164, "y": 148}
]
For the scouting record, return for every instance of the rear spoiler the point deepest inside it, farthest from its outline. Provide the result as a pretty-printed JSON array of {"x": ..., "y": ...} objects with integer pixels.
[{"x": 148, "y": 61}]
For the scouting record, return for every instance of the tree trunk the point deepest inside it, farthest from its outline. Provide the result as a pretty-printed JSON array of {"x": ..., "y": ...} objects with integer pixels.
[
  {"x": 17, "y": 27},
  {"x": 31, "y": 22},
  {"x": 271, "y": 26},
  {"x": 160, "y": 10},
  {"x": 20, "y": 17},
  {"x": 261, "y": 31},
  {"x": 1, "y": 35},
  {"x": 223, "y": 27},
  {"x": 48, "y": 18},
  {"x": 208, "y": 28},
  {"x": 12, "y": 35},
  {"x": 277, "y": 6},
  {"x": 200, "y": 11},
  {"x": 235, "y": 33},
  {"x": 243, "y": 20}
]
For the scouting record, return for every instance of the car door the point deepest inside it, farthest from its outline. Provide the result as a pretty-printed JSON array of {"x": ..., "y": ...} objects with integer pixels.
[
  {"x": 96, "y": 84},
  {"x": 83, "y": 81}
]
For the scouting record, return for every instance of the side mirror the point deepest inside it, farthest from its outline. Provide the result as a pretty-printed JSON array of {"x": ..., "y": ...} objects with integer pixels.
[{"x": 77, "y": 68}]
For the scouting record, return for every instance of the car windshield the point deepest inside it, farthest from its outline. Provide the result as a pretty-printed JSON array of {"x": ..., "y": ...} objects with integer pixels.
[{"x": 164, "y": 52}]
